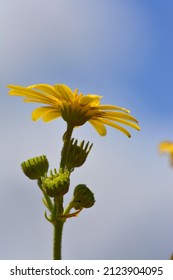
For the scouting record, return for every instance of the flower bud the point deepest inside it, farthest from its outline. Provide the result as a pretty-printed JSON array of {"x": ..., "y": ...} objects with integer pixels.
[
  {"x": 56, "y": 184},
  {"x": 36, "y": 167},
  {"x": 77, "y": 154},
  {"x": 83, "y": 197}
]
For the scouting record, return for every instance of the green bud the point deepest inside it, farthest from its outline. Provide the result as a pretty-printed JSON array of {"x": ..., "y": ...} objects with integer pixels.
[
  {"x": 56, "y": 184},
  {"x": 36, "y": 167},
  {"x": 83, "y": 197},
  {"x": 77, "y": 154}
]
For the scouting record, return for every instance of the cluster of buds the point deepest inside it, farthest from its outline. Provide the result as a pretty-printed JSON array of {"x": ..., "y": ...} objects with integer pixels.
[
  {"x": 57, "y": 183},
  {"x": 77, "y": 154}
]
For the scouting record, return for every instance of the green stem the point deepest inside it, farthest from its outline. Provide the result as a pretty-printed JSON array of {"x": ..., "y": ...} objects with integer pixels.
[
  {"x": 58, "y": 202},
  {"x": 66, "y": 147},
  {"x": 58, "y": 227},
  {"x": 57, "y": 242},
  {"x": 69, "y": 207}
]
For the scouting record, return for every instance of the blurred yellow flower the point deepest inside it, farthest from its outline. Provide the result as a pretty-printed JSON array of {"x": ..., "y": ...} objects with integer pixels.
[
  {"x": 75, "y": 108},
  {"x": 167, "y": 147}
]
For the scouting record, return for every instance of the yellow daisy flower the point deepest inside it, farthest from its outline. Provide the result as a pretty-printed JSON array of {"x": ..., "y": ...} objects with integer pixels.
[
  {"x": 167, "y": 147},
  {"x": 75, "y": 108}
]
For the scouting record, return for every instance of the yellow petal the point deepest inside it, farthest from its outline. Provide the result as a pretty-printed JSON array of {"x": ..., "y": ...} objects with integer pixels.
[
  {"x": 15, "y": 87},
  {"x": 123, "y": 130},
  {"x": 113, "y": 107},
  {"x": 41, "y": 112},
  {"x": 50, "y": 116},
  {"x": 89, "y": 99},
  {"x": 42, "y": 100},
  {"x": 48, "y": 89},
  {"x": 21, "y": 91},
  {"x": 119, "y": 115},
  {"x": 100, "y": 128},
  {"x": 65, "y": 92},
  {"x": 134, "y": 125},
  {"x": 32, "y": 95}
]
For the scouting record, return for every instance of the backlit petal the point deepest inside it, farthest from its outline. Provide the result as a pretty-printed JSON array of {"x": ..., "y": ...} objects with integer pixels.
[
  {"x": 123, "y": 130},
  {"x": 48, "y": 89},
  {"x": 40, "y": 112},
  {"x": 120, "y": 115},
  {"x": 132, "y": 124},
  {"x": 65, "y": 92},
  {"x": 92, "y": 100},
  {"x": 100, "y": 128},
  {"x": 113, "y": 107},
  {"x": 31, "y": 95},
  {"x": 51, "y": 116}
]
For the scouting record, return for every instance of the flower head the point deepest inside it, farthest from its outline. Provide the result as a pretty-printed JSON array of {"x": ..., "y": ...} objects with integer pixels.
[
  {"x": 75, "y": 108},
  {"x": 167, "y": 147}
]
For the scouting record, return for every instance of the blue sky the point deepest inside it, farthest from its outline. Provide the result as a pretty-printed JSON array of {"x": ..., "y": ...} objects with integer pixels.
[{"x": 121, "y": 50}]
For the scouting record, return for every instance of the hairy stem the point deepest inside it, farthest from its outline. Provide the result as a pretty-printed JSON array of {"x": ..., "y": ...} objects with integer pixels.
[
  {"x": 58, "y": 227},
  {"x": 57, "y": 241},
  {"x": 58, "y": 202}
]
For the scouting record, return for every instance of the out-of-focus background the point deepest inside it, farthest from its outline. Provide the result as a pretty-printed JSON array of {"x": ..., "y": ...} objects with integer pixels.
[{"x": 121, "y": 50}]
